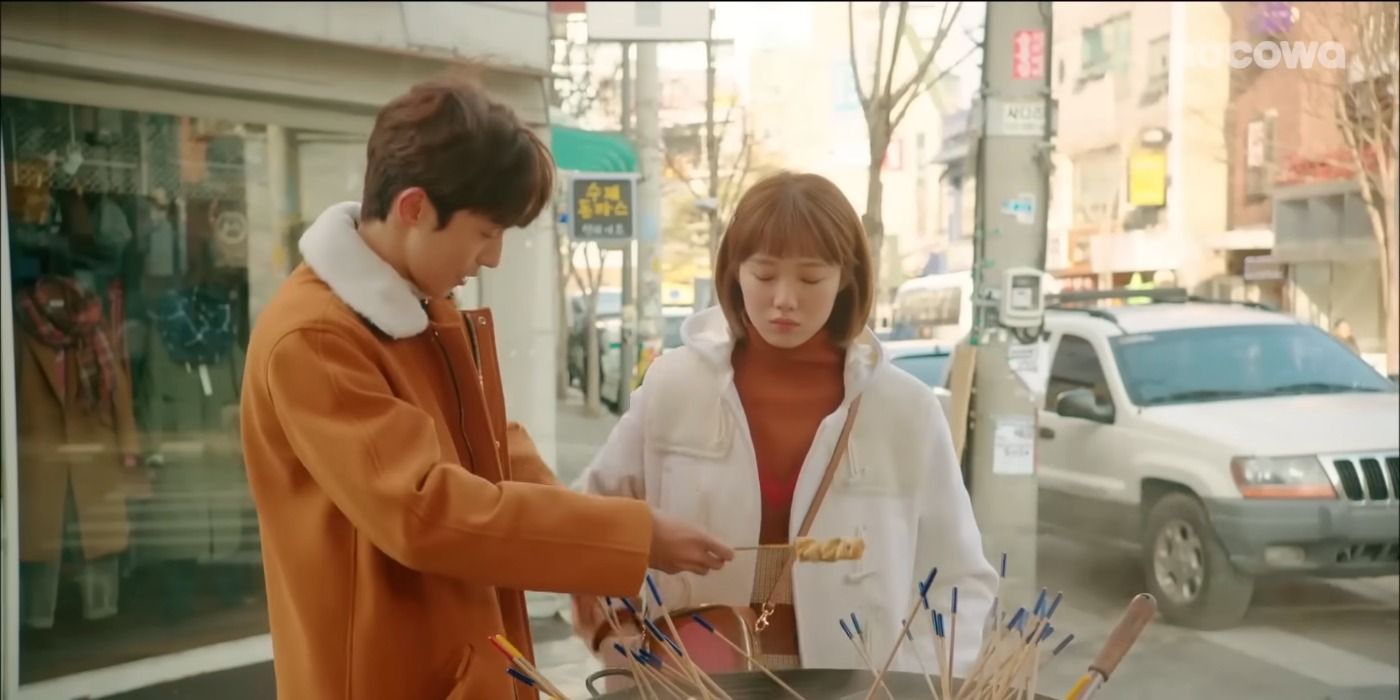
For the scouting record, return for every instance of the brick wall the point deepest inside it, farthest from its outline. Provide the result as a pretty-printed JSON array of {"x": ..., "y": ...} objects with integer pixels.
[{"x": 1301, "y": 99}]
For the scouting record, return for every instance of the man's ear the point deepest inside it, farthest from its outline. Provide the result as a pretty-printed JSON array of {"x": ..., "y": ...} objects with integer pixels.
[{"x": 412, "y": 206}]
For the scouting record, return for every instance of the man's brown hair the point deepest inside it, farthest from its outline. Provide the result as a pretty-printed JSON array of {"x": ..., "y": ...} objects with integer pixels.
[
  {"x": 465, "y": 150},
  {"x": 801, "y": 215}
]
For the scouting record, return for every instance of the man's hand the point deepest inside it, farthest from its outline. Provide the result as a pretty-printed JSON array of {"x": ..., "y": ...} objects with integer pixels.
[{"x": 677, "y": 547}]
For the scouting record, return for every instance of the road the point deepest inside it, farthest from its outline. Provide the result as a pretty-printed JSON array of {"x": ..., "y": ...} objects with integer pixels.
[{"x": 1302, "y": 640}]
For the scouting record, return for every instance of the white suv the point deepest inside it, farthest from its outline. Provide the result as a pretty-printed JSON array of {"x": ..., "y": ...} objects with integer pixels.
[{"x": 1227, "y": 442}]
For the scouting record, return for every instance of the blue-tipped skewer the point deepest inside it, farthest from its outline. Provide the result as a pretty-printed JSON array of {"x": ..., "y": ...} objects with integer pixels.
[
  {"x": 1017, "y": 619},
  {"x": 737, "y": 650},
  {"x": 1063, "y": 643},
  {"x": 1040, "y": 603},
  {"x": 1054, "y": 604},
  {"x": 528, "y": 681},
  {"x": 925, "y": 585},
  {"x": 655, "y": 592}
]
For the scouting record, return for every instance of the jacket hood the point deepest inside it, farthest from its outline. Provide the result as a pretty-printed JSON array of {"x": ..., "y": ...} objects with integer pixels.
[
  {"x": 708, "y": 334},
  {"x": 333, "y": 249}
]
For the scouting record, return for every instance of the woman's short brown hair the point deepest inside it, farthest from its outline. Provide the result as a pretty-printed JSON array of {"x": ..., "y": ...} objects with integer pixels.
[
  {"x": 467, "y": 151},
  {"x": 799, "y": 214}
]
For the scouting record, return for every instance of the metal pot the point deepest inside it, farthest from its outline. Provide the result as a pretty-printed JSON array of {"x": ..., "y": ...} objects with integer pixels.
[{"x": 813, "y": 684}]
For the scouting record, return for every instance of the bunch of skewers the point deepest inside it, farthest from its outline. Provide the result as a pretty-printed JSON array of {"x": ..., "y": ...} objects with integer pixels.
[
  {"x": 1016, "y": 646},
  {"x": 1013, "y": 651}
]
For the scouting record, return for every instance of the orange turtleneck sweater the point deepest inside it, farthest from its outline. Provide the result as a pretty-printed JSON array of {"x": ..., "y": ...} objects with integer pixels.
[{"x": 786, "y": 392}]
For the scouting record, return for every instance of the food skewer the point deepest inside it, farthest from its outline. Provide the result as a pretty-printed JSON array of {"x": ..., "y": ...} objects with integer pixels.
[{"x": 808, "y": 549}]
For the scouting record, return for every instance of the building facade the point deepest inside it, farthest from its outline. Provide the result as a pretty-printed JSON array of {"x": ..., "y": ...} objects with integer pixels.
[
  {"x": 1293, "y": 197},
  {"x": 1141, "y": 130},
  {"x": 160, "y": 162}
]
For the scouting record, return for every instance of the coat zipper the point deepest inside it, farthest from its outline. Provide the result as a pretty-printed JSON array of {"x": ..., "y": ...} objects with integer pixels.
[
  {"x": 456, "y": 391},
  {"x": 461, "y": 409}
]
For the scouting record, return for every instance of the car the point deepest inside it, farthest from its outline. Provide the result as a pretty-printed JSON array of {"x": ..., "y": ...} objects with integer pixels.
[
  {"x": 928, "y": 361},
  {"x": 610, "y": 392},
  {"x": 607, "y": 325},
  {"x": 1223, "y": 442}
]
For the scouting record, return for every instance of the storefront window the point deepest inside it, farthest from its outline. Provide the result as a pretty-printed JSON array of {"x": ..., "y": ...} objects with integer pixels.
[{"x": 128, "y": 240}]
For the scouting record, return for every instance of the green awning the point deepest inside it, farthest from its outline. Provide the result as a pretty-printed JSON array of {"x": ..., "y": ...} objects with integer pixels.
[{"x": 592, "y": 151}]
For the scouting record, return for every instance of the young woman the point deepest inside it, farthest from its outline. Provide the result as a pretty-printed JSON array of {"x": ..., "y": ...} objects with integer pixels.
[{"x": 734, "y": 432}]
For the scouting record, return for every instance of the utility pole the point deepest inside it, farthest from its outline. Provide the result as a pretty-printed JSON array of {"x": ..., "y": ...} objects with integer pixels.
[
  {"x": 628, "y": 330},
  {"x": 1013, "y": 160},
  {"x": 648, "y": 90}
]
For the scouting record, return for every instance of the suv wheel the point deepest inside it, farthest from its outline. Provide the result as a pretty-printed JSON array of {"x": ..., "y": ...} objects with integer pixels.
[{"x": 1188, "y": 571}]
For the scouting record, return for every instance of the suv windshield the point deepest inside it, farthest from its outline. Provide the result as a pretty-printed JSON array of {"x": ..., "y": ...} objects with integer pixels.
[{"x": 1232, "y": 362}]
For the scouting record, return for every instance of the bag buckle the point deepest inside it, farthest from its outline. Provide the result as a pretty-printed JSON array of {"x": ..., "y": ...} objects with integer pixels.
[{"x": 762, "y": 623}]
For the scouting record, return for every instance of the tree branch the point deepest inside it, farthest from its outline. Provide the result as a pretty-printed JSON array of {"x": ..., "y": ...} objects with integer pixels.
[
  {"x": 879, "y": 53},
  {"x": 855, "y": 65},
  {"x": 925, "y": 85},
  {"x": 899, "y": 25},
  {"x": 735, "y": 180},
  {"x": 945, "y": 25}
]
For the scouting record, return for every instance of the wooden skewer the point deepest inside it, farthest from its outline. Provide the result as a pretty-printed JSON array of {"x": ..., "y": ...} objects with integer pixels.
[
  {"x": 638, "y": 678},
  {"x": 865, "y": 656},
  {"x": 1035, "y": 677},
  {"x": 894, "y": 651},
  {"x": 708, "y": 627},
  {"x": 519, "y": 659},
  {"x": 953, "y": 642},
  {"x": 662, "y": 680},
  {"x": 933, "y": 692},
  {"x": 701, "y": 679},
  {"x": 945, "y": 671}
]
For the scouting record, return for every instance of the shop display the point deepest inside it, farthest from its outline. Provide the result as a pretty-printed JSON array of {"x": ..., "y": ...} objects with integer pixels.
[
  {"x": 129, "y": 248},
  {"x": 78, "y": 447}
]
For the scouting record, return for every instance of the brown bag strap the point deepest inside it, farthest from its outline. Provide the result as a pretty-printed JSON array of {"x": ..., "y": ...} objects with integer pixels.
[
  {"x": 830, "y": 472},
  {"x": 807, "y": 520}
]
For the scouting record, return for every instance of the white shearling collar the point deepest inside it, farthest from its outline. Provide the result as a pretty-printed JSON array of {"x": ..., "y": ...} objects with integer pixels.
[
  {"x": 707, "y": 333},
  {"x": 333, "y": 249}
]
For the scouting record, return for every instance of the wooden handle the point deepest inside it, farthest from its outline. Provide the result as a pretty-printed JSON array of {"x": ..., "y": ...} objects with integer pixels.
[{"x": 1135, "y": 619}]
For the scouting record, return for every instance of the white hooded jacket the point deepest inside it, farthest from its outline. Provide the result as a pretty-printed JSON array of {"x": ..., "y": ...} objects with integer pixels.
[{"x": 684, "y": 447}]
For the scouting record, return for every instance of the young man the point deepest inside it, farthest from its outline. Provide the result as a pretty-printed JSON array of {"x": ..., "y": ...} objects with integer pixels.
[{"x": 402, "y": 515}]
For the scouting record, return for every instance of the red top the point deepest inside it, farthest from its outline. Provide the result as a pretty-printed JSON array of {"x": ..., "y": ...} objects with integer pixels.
[{"x": 786, "y": 393}]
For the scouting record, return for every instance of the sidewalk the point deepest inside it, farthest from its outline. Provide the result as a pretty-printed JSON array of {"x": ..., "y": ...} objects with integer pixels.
[
  {"x": 579, "y": 436},
  {"x": 561, "y": 657}
]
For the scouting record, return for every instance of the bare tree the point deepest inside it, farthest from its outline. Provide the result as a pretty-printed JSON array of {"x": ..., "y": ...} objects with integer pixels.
[
  {"x": 1363, "y": 102},
  {"x": 735, "y": 176},
  {"x": 885, "y": 103},
  {"x": 577, "y": 89},
  {"x": 590, "y": 280}
]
